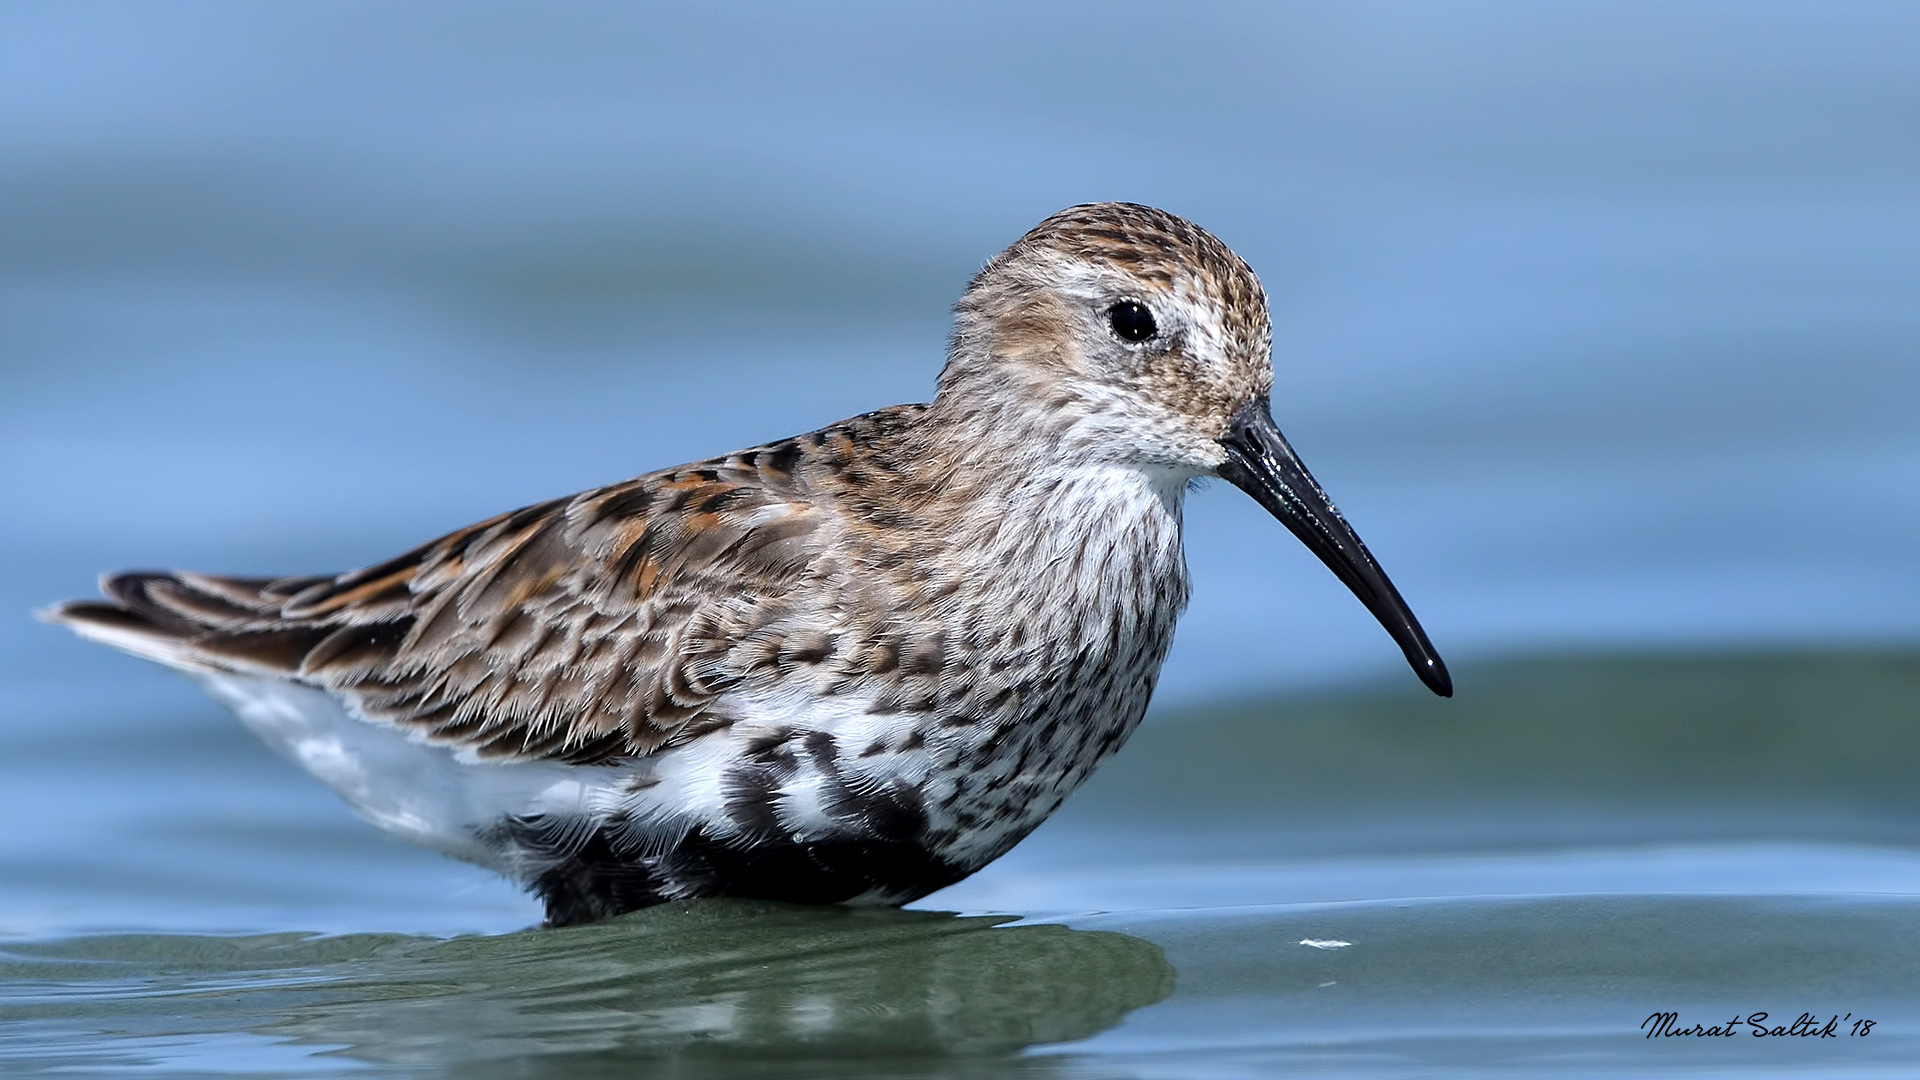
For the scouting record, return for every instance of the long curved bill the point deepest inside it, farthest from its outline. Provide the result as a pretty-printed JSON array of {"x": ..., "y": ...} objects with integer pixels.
[{"x": 1260, "y": 463}]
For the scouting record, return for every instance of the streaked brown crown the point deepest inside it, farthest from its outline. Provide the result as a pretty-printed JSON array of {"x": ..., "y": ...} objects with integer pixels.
[{"x": 1157, "y": 247}]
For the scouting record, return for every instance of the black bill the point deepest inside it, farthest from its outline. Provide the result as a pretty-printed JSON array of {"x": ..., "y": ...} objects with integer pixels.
[{"x": 1260, "y": 463}]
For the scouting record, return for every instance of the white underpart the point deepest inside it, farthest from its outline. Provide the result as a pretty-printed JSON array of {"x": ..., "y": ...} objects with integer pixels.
[
  {"x": 434, "y": 796},
  {"x": 421, "y": 792},
  {"x": 440, "y": 798},
  {"x": 801, "y": 803}
]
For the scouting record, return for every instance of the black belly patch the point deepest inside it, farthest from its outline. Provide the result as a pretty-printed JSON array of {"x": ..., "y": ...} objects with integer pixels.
[{"x": 592, "y": 878}]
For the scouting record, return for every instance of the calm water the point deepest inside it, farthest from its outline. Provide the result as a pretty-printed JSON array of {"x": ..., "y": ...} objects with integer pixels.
[{"x": 1597, "y": 320}]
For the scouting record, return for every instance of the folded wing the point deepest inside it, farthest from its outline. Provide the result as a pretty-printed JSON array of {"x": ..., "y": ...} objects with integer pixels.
[{"x": 584, "y": 629}]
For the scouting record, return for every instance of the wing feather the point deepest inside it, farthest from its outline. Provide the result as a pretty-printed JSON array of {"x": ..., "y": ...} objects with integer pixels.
[{"x": 582, "y": 629}]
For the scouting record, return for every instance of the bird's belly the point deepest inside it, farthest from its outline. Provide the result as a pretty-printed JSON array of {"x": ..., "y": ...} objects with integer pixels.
[
  {"x": 752, "y": 810},
  {"x": 770, "y": 807},
  {"x": 832, "y": 802},
  {"x": 419, "y": 791}
]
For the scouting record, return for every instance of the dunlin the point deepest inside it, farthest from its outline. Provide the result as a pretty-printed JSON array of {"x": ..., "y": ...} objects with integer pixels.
[{"x": 851, "y": 666}]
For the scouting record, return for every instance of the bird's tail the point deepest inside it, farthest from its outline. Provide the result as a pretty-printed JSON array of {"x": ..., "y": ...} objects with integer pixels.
[{"x": 194, "y": 622}]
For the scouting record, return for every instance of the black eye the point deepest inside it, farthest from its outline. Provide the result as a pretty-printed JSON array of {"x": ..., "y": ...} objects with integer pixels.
[{"x": 1131, "y": 320}]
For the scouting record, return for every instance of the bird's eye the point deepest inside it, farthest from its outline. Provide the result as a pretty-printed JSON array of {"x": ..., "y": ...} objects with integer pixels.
[{"x": 1131, "y": 320}]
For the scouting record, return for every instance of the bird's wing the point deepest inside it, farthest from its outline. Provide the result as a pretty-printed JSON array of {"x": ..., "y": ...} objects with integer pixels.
[{"x": 583, "y": 629}]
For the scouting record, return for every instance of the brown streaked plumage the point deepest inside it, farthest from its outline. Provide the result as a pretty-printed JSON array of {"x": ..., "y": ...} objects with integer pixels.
[{"x": 855, "y": 665}]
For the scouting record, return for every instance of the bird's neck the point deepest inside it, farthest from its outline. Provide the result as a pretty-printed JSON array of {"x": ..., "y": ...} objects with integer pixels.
[{"x": 1015, "y": 500}]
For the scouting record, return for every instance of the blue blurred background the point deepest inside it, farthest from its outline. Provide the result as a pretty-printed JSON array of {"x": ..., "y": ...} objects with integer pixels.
[{"x": 1598, "y": 320}]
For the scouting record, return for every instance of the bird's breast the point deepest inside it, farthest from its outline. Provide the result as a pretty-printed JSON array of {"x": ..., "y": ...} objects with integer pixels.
[{"x": 1014, "y": 656}]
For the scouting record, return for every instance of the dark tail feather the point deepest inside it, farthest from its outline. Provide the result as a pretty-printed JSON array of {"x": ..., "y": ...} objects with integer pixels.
[{"x": 191, "y": 621}]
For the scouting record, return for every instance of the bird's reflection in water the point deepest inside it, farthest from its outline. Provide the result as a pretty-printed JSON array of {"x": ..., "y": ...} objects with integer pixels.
[{"x": 711, "y": 988}]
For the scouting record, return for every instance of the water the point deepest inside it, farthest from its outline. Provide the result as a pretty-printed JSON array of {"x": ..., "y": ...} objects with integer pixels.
[
  {"x": 1596, "y": 319},
  {"x": 737, "y": 989},
  {"x": 725, "y": 981}
]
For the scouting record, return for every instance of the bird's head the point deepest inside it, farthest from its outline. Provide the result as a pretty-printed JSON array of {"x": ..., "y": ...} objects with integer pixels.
[{"x": 1122, "y": 334}]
